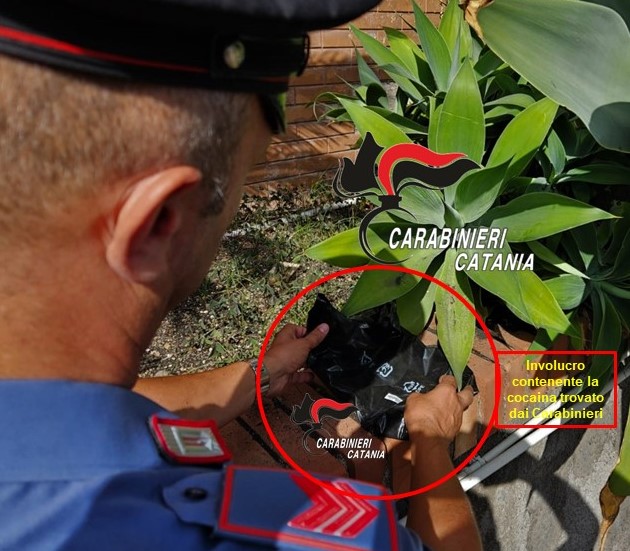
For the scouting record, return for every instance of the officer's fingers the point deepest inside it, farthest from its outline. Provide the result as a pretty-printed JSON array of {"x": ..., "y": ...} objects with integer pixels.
[
  {"x": 466, "y": 397},
  {"x": 316, "y": 336},
  {"x": 413, "y": 398},
  {"x": 303, "y": 377},
  {"x": 285, "y": 333},
  {"x": 293, "y": 330},
  {"x": 448, "y": 380},
  {"x": 288, "y": 333}
]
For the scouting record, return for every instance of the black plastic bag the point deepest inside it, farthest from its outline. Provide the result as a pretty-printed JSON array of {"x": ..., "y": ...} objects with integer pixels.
[{"x": 371, "y": 361}]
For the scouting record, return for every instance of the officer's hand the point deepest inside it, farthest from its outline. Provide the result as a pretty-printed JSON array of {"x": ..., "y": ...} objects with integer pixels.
[
  {"x": 287, "y": 354},
  {"x": 436, "y": 417}
]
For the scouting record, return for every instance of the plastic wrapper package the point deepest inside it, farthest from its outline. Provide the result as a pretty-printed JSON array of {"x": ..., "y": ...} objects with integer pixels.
[{"x": 369, "y": 360}]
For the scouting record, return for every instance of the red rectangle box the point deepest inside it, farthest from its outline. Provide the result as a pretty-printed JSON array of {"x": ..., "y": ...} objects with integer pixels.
[{"x": 567, "y": 353}]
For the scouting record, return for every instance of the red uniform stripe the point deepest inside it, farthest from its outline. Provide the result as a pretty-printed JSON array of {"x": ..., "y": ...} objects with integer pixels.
[{"x": 65, "y": 47}]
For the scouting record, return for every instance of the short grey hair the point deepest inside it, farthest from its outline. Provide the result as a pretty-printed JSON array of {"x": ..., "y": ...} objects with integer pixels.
[{"x": 64, "y": 134}]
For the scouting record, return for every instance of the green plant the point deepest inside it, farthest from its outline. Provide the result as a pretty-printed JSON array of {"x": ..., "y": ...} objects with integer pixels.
[
  {"x": 456, "y": 96},
  {"x": 590, "y": 276},
  {"x": 588, "y": 71},
  {"x": 575, "y": 52}
]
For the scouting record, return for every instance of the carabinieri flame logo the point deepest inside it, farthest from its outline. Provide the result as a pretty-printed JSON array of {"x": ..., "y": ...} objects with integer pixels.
[
  {"x": 312, "y": 413},
  {"x": 399, "y": 166}
]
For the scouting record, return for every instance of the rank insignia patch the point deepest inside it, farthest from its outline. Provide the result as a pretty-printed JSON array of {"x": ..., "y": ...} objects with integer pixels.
[
  {"x": 189, "y": 442},
  {"x": 305, "y": 516}
]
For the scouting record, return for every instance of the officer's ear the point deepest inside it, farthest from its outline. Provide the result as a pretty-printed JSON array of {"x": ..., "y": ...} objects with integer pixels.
[{"x": 144, "y": 233}]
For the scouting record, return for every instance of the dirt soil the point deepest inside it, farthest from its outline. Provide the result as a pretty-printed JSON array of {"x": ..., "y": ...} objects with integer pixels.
[{"x": 260, "y": 266}]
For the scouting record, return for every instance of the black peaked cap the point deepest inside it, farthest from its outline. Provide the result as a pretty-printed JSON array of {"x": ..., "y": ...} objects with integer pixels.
[{"x": 242, "y": 45}]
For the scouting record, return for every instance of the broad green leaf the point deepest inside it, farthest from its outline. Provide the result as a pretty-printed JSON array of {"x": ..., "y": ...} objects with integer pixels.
[
  {"x": 452, "y": 219},
  {"x": 554, "y": 150},
  {"x": 573, "y": 252},
  {"x": 505, "y": 83},
  {"x": 405, "y": 48},
  {"x": 415, "y": 307},
  {"x": 501, "y": 112},
  {"x": 478, "y": 190},
  {"x": 574, "y": 52},
  {"x": 343, "y": 250},
  {"x": 476, "y": 49},
  {"x": 608, "y": 174},
  {"x": 619, "y": 480},
  {"x": 577, "y": 338},
  {"x": 585, "y": 238},
  {"x": 522, "y": 185},
  {"x": 412, "y": 57},
  {"x": 468, "y": 48},
  {"x": 326, "y": 97},
  {"x": 406, "y": 124},
  {"x": 455, "y": 323},
  {"x": 547, "y": 169},
  {"x": 381, "y": 54},
  {"x": 385, "y": 133},
  {"x": 488, "y": 63},
  {"x": 456, "y": 62},
  {"x": 586, "y": 143},
  {"x": 434, "y": 117},
  {"x": 523, "y": 291},
  {"x": 544, "y": 340},
  {"x": 552, "y": 258},
  {"x": 389, "y": 61},
  {"x": 621, "y": 228},
  {"x": 606, "y": 335},
  {"x": 567, "y": 132},
  {"x": 621, "y": 269},
  {"x": 615, "y": 291},
  {"x": 371, "y": 95},
  {"x": 415, "y": 89},
  {"x": 523, "y": 136},
  {"x": 450, "y": 24},
  {"x": 425, "y": 204},
  {"x": 366, "y": 75},
  {"x": 623, "y": 309},
  {"x": 376, "y": 96},
  {"x": 380, "y": 286},
  {"x": 519, "y": 100},
  {"x": 569, "y": 290},
  {"x": 360, "y": 91},
  {"x": 336, "y": 115},
  {"x": 536, "y": 215},
  {"x": 434, "y": 47},
  {"x": 461, "y": 125},
  {"x": 622, "y": 7},
  {"x": 456, "y": 34}
]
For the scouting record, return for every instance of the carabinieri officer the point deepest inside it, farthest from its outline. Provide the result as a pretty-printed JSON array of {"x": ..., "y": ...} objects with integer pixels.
[{"x": 127, "y": 128}]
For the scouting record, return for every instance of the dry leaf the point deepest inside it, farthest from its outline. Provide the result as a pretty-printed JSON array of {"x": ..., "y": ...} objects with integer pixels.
[
  {"x": 610, "y": 504},
  {"x": 471, "y": 9}
]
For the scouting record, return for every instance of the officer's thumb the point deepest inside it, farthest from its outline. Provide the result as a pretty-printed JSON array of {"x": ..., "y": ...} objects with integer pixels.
[{"x": 316, "y": 336}]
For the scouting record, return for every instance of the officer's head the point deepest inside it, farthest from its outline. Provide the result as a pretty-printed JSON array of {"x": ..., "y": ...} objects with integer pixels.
[{"x": 127, "y": 129}]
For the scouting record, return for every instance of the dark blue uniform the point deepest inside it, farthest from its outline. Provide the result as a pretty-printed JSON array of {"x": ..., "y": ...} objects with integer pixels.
[
  {"x": 80, "y": 469},
  {"x": 82, "y": 465}
]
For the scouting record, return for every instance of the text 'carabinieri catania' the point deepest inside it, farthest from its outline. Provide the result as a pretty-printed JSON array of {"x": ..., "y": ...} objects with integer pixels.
[{"x": 470, "y": 242}]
